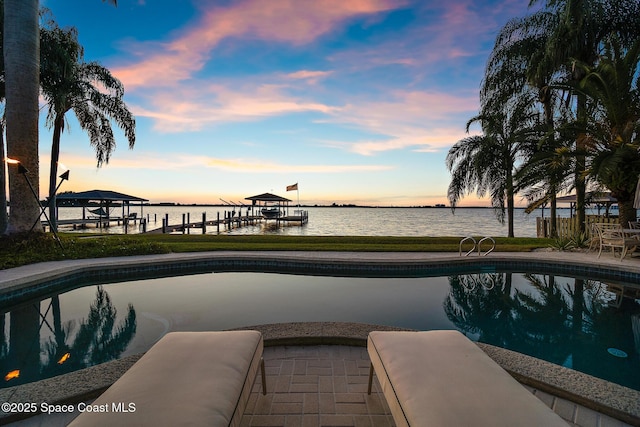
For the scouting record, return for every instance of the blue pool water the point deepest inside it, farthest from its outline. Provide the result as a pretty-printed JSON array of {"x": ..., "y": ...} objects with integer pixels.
[{"x": 588, "y": 325}]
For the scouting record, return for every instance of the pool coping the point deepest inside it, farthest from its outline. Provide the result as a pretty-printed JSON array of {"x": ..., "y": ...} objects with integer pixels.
[
  {"x": 614, "y": 400},
  {"x": 34, "y": 280}
]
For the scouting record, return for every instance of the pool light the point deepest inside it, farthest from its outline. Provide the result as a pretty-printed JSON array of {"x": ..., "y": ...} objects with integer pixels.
[
  {"x": 64, "y": 358},
  {"x": 617, "y": 353},
  {"x": 12, "y": 374}
]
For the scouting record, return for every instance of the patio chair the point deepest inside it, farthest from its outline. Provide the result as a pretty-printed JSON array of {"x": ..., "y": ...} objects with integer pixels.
[
  {"x": 634, "y": 225},
  {"x": 612, "y": 236},
  {"x": 594, "y": 239}
]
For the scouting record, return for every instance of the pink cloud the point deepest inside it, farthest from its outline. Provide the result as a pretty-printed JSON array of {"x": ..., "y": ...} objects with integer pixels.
[
  {"x": 288, "y": 21},
  {"x": 311, "y": 77},
  {"x": 202, "y": 105}
]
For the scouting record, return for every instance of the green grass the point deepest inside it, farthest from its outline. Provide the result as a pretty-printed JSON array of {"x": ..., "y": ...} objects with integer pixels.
[{"x": 21, "y": 250}]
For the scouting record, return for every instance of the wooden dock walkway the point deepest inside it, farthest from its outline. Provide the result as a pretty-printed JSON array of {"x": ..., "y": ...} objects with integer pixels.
[
  {"x": 186, "y": 226},
  {"x": 99, "y": 222},
  {"x": 228, "y": 222}
]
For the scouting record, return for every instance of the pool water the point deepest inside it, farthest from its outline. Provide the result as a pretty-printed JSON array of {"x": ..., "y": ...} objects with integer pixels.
[{"x": 587, "y": 325}]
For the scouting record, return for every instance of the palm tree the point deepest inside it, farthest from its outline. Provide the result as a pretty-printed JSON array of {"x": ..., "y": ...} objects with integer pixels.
[
  {"x": 538, "y": 53},
  {"x": 578, "y": 36},
  {"x": 87, "y": 89},
  {"x": 4, "y": 218},
  {"x": 613, "y": 133},
  {"x": 486, "y": 163},
  {"x": 546, "y": 170},
  {"x": 518, "y": 67},
  {"x": 21, "y": 66}
]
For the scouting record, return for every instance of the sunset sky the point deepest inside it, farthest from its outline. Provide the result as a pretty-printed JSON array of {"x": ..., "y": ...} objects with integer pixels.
[{"x": 358, "y": 101}]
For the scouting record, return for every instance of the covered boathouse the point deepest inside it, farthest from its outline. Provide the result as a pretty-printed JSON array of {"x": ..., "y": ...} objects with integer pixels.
[
  {"x": 97, "y": 205},
  {"x": 272, "y": 206}
]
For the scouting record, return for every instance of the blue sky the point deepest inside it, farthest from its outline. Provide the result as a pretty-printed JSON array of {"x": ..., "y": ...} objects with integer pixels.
[{"x": 358, "y": 101}]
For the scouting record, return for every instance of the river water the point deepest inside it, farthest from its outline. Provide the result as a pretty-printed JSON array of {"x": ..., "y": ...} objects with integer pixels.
[{"x": 341, "y": 221}]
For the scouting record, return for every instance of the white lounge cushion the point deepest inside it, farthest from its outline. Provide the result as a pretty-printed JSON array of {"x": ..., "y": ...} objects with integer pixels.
[
  {"x": 441, "y": 378},
  {"x": 186, "y": 378}
]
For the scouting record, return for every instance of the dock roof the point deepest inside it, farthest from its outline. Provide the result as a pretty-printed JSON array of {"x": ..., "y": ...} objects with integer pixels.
[
  {"x": 590, "y": 198},
  {"x": 100, "y": 195},
  {"x": 267, "y": 197}
]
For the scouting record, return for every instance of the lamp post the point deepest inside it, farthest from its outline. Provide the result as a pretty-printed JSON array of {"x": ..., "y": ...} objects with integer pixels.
[{"x": 24, "y": 171}]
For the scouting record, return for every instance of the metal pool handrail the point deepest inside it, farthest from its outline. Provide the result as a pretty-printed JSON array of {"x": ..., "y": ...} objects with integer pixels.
[
  {"x": 477, "y": 245},
  {"x": 470, "y": 250},
  {"x": 493, "y": 246}
]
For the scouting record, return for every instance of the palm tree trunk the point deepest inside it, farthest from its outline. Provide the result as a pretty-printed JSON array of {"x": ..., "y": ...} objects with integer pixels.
[
  {"x": 510, "y": 213},
  {"x": 626, "y": 212},
  {"x": 55, "y": 155},
  {"x": 510, "y": 198},
  {"x": 580, "y": 167},
  {"x": 21, "y": 61},
  {"x": 577, "y": 314},
  {"x": 4, "y": 218},
  {"x": 548, "y": 117},
  {"x": 553, "y": 211}
]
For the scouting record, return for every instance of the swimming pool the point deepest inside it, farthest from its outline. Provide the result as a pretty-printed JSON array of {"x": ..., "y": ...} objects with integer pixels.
[{"x": 589, "y": 325}]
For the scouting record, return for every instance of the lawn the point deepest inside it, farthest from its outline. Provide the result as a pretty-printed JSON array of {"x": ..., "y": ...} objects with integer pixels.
[{"x": 18, "y": 250}]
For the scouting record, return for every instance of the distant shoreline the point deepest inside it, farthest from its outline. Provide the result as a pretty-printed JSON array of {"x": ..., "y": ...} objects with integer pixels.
[{"x": 171, "y": 204}]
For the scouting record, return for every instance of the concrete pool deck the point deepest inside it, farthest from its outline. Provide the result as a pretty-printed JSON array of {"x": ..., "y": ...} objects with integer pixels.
[{"x": 577, "y": 397}]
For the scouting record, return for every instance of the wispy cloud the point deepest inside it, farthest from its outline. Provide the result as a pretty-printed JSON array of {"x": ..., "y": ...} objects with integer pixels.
[
  {"x": 311, "y": 77},
  {"x": 176, "y": 162},
  {"x": 203, "y": 105},
  {"x": 420, "y": 141},
  {"x": 260, "y": 166},
  {"x": 286, "y": 21}
]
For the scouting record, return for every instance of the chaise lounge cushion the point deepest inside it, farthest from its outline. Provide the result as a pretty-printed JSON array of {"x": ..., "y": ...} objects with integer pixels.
[
  {"x": 186, "y": 378},
  {"x": 441, "y": 378}
]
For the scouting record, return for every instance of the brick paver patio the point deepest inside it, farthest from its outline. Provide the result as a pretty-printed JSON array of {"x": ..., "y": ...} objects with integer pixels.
[{"x": 317, "y": 386}]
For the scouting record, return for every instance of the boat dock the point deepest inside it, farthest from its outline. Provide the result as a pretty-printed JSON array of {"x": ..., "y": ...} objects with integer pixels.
[
  {"x": 265, "y": 207},
  {"x": 227, "y": 222}
]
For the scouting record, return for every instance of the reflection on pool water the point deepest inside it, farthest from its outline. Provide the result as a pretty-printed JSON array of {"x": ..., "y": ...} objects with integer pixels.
[{"x": 581, "y": 324}]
